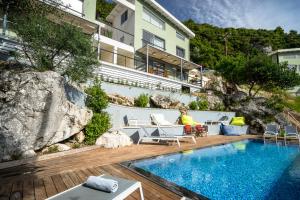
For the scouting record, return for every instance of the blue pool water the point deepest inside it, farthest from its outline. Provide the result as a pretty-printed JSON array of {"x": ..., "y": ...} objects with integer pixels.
[{"x": 241, "y": 170}]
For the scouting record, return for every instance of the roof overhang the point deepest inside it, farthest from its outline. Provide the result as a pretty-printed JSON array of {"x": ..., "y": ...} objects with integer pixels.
[
  {"x": 168, "y": 58},
  {"x": 87, "y": 26},
  {"x": 285, "y": 51},
  {"x": 170, "y": 17}
]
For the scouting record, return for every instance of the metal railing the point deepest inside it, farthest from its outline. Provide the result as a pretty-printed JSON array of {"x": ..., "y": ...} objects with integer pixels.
[
  {"x": 6, "y": 29},
  {"x": 122, "y": 60},
  {"x": 145, "y": 43},
  {"x": 138, "y": 64},
  {"x": 292, "y": 119},
  {"x": 116, "y": 34}
]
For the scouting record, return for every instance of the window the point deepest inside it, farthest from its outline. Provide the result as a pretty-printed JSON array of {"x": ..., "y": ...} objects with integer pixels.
[
  {"x": 122, "y": 39},
  {"x": 124, "y": 17},
  {"x": 157, "y": 68},
  {"x": 180, "y": 36},
  {"x": 152, "y": 19},
  {"x": 149, "y": 38},
  {"x": 180, "y": 52}
]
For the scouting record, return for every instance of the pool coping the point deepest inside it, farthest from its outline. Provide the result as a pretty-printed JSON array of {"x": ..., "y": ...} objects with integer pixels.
[{"x": 173, "y": 187}]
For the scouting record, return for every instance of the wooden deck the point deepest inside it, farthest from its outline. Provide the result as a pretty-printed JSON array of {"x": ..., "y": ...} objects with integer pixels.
[{"x": 42, "y": 179}]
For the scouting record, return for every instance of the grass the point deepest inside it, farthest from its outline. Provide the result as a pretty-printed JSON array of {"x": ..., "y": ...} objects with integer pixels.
[{"x": 293, "y": 103}]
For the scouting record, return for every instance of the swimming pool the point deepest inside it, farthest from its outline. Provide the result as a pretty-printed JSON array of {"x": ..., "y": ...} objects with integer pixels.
[{"x": 242, "y": 170}]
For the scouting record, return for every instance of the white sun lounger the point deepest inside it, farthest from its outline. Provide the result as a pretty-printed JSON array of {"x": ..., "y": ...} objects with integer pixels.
[
  {"x": 160, "y": 124},
  {"x": 81, "y": 192}
]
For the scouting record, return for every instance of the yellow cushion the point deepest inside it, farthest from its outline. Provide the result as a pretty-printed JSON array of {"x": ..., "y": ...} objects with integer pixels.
[
  {"x": 238, "y": 121},
  {"x": 188, "y": 120}
]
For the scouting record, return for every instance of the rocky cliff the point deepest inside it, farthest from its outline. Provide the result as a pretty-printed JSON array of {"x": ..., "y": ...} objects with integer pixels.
[{"x": 35, "y": 112}]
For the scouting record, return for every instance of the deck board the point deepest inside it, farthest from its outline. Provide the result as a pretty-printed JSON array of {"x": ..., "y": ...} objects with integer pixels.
[{"x": 42, "y": 179}]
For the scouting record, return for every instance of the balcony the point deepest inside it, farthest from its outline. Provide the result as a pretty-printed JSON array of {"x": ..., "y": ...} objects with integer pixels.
[
  {"x": 132, "y": 68},
  {"x": 116, "y": 34}
]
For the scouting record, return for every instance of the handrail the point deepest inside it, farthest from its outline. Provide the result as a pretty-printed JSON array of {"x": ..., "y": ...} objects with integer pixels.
[
  {"x": 296, "y": 122},
  {"x": 151, "y": 44}
]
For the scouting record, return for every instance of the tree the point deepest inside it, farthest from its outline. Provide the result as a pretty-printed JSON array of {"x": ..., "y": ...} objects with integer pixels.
[
  {"x": 231, "y": 68},
  {"x": 52, "y": 44},
  {"x": 207, "y": 48},
  {"x": 103, "y": 8},
  {"x": 258, "y": 73}
]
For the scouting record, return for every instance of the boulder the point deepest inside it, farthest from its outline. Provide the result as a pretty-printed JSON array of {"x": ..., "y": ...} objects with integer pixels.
[
  {"x": 79, "y": 137},
  {"x": 214, "y": 100},
  {"x": 28, "y": 154},
  {"x": 114, "y": 139},
  {"x": 121, "y": 100},
  {"x": 35, "y": 112},
  {"x": 165, "y": 102}
]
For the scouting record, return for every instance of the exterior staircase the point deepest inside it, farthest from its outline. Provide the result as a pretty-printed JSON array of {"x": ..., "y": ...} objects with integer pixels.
[
  {"x": 6, "y": 47},
  {"x": 293, "y": 118}
]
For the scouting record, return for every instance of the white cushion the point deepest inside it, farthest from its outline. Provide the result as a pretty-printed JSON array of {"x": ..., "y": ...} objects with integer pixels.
[{"x": 159, "y": 119}]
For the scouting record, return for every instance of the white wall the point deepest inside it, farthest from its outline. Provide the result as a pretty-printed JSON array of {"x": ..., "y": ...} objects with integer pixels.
[
  {"x": 76, "y": 5},
  {"x": 127, "y": 26}
]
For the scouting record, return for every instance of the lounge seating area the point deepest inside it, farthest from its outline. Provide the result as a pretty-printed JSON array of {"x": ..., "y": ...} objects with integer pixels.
[
  {"x": 289, "y": 132},
  {"x": 160, "y": 123}
]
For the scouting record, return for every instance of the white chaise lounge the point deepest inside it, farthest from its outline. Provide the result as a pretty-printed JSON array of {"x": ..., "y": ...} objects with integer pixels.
[
  {"x": 159, "y": 122},
  {"x": 81, "y": 192}
]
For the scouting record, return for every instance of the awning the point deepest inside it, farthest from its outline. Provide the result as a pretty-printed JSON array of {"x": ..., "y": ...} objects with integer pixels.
[
  {"x": 87, "y": 26},
  {"x": 167, "y": 57}
]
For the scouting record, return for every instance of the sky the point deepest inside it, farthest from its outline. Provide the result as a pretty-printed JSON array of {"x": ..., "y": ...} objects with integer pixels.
[{"x": 265, "y": 14}]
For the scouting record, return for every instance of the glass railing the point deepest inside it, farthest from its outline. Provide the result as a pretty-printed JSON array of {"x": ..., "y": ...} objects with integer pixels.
[
  {"x": 116, "y": 34},
  {"x": 122, "y": 60}
]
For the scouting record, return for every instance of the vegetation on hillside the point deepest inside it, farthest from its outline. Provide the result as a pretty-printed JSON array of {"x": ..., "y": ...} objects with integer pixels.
[
  {"x": 209, "y": 45},
  {"x": 258, "y": 73},
  {"x": 103, "y": 8}
]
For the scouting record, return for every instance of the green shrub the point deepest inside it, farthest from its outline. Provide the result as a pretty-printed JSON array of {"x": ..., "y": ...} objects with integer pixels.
[
  {"x": 203, "y": 105},
  {"x": 293, "y": 103},
  {"x": 76, "y": 146},
  {"x": 275, "y": 103},
  {"x": 142, "y": 101},
  {"x": 97, "y": 99},
  {"x": 99, "y": 124},
  {"x": 219, "y": 107},
  {"x": 53, "y": 149},
  {"x": 193, "y": 105}
]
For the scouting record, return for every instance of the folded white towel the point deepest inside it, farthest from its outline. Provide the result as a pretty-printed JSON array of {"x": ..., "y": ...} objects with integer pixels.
[{"x": 103, "y": 184}]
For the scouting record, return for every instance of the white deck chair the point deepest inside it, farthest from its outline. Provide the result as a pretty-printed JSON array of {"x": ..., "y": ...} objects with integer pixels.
[
  {"x": 291, "y": 133},
  {"x": 81, "y": 192},
  {"x": 272, "y": 130},
  {"x": 160, "y": 121}
]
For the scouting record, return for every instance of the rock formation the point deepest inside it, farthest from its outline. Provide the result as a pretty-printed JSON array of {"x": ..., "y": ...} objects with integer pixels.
[
  {"x": 35, "y": 112},
  {"x": 121, "y": 100},
  {"x": 165, "y": 102},
  {"x": 114, "y": 139}
]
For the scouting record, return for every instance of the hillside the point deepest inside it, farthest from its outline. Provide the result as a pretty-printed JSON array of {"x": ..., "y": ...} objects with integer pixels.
[{"x": 208, "y": 47}]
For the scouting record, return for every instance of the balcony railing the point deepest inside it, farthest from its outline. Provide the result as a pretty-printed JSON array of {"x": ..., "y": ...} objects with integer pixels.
[
  {"x": 122, "y": 60},
  {"x": 6, "y": 29},
  {"x": 116, "y": 34},
  {"x": 140, "y": 65}
]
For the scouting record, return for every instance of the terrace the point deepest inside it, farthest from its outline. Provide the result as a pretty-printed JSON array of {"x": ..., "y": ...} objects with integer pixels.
[{"x": 48, "y": 175}]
